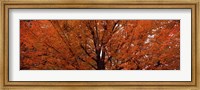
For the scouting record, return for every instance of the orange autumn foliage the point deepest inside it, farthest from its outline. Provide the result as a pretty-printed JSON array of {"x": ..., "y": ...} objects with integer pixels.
[{"x": 99, "y": 44}]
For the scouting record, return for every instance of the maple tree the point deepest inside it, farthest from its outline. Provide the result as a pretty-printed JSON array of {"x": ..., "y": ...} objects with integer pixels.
[{"x": 99, "y": 44}]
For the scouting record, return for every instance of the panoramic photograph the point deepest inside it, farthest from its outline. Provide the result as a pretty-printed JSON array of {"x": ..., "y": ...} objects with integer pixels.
[{"x": 99, "y": 44}]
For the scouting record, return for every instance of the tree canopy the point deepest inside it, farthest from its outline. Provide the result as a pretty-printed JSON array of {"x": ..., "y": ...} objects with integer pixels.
[{"x": 99, "y": 44}]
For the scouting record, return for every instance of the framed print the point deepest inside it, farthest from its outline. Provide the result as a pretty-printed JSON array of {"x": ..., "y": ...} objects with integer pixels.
[{"x": 100, "y": 44}]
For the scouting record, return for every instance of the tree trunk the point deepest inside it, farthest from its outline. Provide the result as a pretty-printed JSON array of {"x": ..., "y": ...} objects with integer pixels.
[
  {"x": 100, "y": 60},
  {"x": 100, "y": 65}
]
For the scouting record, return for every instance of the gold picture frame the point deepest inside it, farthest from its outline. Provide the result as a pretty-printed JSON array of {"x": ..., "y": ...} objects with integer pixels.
[{"x": 166, "y": 4}]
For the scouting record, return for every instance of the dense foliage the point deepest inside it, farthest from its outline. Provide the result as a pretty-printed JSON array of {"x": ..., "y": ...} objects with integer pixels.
[{"x": 99, "y": 44}]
